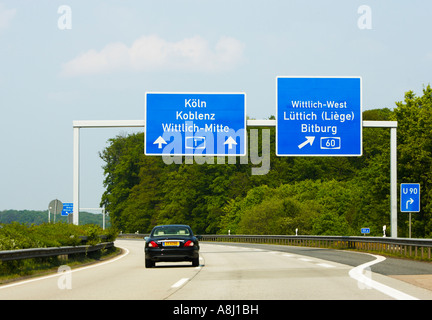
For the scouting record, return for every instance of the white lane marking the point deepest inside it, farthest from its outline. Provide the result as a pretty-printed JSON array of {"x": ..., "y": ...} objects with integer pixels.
[
  {"x": 357, "y": 273},
  {"x": 179, "y": 283},
  {"x": 305, "y": 259},
  {"x": 126, "y": 252},
  {"x": 325, "y": 265}
]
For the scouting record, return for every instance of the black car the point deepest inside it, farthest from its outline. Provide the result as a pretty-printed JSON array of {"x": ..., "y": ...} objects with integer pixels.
[{"x": 174, "y": 242}]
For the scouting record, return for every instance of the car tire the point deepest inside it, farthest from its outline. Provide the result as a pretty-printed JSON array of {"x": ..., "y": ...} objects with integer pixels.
[
  {"x": 149, "y": 263},
  {"x": 195, "y": 262}
]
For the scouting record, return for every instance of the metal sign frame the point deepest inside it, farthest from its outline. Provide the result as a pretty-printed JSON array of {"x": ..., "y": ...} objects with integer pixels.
[{"x": 77, "y": 125}]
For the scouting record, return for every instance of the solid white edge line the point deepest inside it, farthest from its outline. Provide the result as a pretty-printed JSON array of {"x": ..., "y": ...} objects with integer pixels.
[
  {"x": 357, "y": 274},
  {"x": 124, "y": 254}
]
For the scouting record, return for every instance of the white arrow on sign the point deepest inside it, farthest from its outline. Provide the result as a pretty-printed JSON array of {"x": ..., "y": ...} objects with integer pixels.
[
  {"x": 410, "y": 201},
  {"x": 308, "y": 140},
  {"x": 160, "y": 141},
  {"x": 230, "y": 142}
]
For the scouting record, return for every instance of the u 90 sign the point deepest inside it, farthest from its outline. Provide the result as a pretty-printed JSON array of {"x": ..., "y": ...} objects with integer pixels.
[
  {"x": 210, "y": 124},
  {"x": 319, "y": 116}
]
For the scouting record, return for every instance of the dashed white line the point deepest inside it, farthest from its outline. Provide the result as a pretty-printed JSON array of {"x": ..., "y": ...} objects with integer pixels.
[
  {"x": 305, "y": 259},
  {"x": 325, "y": 265},
  {"x": 179, "y": 283}
]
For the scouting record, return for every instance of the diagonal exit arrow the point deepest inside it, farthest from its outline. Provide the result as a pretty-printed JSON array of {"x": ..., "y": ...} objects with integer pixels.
[{"x": 308, "y": 140}]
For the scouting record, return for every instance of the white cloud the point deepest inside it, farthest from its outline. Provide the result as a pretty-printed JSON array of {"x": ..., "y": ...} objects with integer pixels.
[
  {"x": 6, "y": 16},
  {"x": 152, "y": 53}
]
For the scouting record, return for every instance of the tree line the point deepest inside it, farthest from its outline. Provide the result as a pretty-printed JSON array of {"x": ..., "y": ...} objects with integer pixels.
[
  {"x": 315, "y": 195},
  {"x": 35, "y": 217}
]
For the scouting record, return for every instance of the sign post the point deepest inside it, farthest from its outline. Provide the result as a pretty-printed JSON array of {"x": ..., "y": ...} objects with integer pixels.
[
  {"x": 207, "y": 124},
  {"x": 365, "y": 231},
  {"x": 319, "y": 116}
]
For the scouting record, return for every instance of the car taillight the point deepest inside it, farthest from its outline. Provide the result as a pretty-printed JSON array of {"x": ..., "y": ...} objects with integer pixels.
[
  {"x": 152, "y": 244},
  {"x": 189, "y": 244}
]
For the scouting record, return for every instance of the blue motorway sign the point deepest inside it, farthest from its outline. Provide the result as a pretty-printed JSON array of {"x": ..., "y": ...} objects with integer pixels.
[
  {"x": 211, "y": 124},
  {"x": 67, "y": 209},
  {"x": 319, "y": 116},
  {"x": 410, "y": 197}
]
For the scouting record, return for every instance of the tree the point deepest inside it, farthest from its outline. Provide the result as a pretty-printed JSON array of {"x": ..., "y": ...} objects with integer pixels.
[
  {"x": 414, "y": 117},
  {"x": 317, "y": 195}
]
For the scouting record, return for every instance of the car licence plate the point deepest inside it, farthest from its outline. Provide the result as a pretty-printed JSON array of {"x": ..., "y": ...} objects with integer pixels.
[{"x": 171, "y": 243}]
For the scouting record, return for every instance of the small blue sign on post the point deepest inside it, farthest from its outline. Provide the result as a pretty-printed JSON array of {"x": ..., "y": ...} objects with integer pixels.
[
  {"x": 410, "y": 197},
  {"x": 208, "y": 124},
  {"x": 319, "y": 116},
  {"x": 67, "y": 209},
  {"x": 365, "y": 230}
]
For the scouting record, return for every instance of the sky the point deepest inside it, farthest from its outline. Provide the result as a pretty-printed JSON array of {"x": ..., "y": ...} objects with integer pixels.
[{"x": 94, "y": 60}]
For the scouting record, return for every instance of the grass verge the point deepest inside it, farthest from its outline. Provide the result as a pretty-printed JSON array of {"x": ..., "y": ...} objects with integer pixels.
[{"x": 16, "y": 270}]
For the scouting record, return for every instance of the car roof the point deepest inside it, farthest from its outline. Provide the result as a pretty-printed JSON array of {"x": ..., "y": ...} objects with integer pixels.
[{"x": 172, "y": 225}]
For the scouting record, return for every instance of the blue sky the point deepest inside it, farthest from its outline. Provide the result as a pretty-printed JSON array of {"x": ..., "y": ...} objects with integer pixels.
[{"x": 115, "y": 51}]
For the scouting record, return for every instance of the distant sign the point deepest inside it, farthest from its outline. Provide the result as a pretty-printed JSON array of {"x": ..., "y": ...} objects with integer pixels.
[
  {"x": 67, "y": 209},
  {"x": 365, "y": 230},
  {"x": 410, "y": 197},
  {"x": 210, "y": 124},
  {"x": 55, "y": 206},
  {"x": 319, "y": 116}
]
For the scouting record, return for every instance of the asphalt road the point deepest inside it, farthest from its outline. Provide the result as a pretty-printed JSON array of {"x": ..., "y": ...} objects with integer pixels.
[{"x": 234, "y": 272}]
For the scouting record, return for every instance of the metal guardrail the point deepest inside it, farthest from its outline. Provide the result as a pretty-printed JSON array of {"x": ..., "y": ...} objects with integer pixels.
[
  {"x": 411, "y": 248},
  {"x": 8, "y": 255}
]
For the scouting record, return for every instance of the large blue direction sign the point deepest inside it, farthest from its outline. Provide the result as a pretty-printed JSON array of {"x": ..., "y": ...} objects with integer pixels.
[
  {"x": 319, "y": 116},
  {"x": 211, "y": 124},
  {"x": 410, "y": 197}
]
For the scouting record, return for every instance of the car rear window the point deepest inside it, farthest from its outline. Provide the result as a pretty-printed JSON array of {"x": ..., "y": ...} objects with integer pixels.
[{"x": 171, "y": 231}]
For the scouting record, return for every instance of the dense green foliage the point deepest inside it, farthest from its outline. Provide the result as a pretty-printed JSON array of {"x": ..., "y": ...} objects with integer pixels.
[
  {"x": 15, "y": 235},
  {"x": 316, "y": 195}
]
